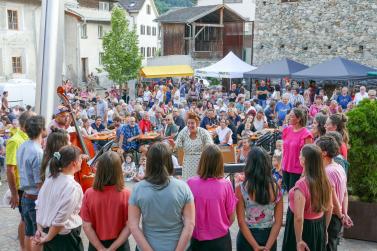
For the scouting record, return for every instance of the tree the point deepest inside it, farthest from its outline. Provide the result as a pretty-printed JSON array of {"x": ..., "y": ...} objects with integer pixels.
[{"x": 121, "y": 58}]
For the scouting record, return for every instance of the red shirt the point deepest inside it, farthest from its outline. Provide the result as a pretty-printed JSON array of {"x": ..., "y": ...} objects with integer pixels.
[
  {"x": 106, "y": 210},
  {"x": 145, "y": 125}
]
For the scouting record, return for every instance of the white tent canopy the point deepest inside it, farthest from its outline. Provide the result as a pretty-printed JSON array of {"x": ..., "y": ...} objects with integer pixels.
[{"x": 228, "y": 67}]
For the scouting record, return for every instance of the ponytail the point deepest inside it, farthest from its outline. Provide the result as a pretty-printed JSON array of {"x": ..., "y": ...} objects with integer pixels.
[{"x": 63, "y": 159}]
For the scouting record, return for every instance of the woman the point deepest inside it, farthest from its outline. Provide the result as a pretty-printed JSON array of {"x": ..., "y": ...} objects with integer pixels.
[
  {"x": 295, "y": 136},
  {"x": 165, "y": 204},
  {"x": 338, "y": 123},
  {"x": 192, "y": 139},
  {"x": 213, "y": 196},
  {"x": 318, "y": 128},
  {"x": 244, "y": 150},
  {"x": 309, "y": 200},
  {"x": 55, "y": 141},
  {"x": 86, "y": 129},
  {"x": 105, "y": 207},
  {"x": 260, "y": 205},
  {"x": 59, "y": 203}
]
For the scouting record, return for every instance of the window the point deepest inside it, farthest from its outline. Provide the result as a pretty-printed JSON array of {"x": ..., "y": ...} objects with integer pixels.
[
  {"x": 148, "y": 30},
  {"x": 148, "y": 9},
  {"x": 154, "y": 31},
  {"x": 100, "y": 58},
  {"x": 232, "y": 1},
  {"x": 142, "y": 29},
  {"x": 12, "y": 20},
  {"x": 84, "y": 34},
  {"x": 142, "y": 52},
  {"x": 148, "y": 52},
  {"x": 104, "y": 6},
  {"x": 154, "y": 51},
  {"x": 100, "y": 31},
  {"x": 17, "y": 64}
]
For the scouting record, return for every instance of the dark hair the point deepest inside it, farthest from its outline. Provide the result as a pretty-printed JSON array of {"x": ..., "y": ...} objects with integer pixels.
[
  {"x": 98, "y": 117},
  {"x": 159, "y": 165},
  {"x": 34, "y": 126},
  {"x": 340, "y": 121},
  {"x": 301, "y": 114},
  {"x": 314, "y": 171},
  {"x": 321, "y": 120},
  {"x": 55, "y": 141},
  {"x": 68, "y": 154},
  {"x": 337, "y": 136},
  {"x": 329, "y": 145},
  {"x": 109, "y": 172},
  {"x": 211, "y": 164},
  {"x": 258, "y": 177},
  {"x": 23, "y": 117}
]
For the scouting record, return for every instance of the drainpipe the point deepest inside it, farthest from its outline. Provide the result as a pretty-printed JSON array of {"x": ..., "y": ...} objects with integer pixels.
[{"x": 190, "y": 39}]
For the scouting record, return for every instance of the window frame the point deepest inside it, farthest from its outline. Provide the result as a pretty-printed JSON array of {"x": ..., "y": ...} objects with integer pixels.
[
  {"x": 142, "y": 29},
  {"x": 149, "y": 30},
  {"x": 103, "y": 6},
  {"x": 100, "y": 57},
  {"x": 154, "y": 31},
  {"x": 12, "y": 24},
  {"x": 101, "y": 32},
  {"x": 148, "y": 9},
  {"x": 149, "y": 52},
  {"x": 17, "y": 65},
  {"x": 142, "y": 52},
  {"x": 84, "y": 31}
]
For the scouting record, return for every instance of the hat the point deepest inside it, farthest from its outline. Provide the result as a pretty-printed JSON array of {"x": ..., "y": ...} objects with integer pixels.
[{"x": 61, "y": 109}]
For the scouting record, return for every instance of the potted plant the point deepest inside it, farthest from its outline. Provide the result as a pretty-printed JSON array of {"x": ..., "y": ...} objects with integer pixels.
[{"x": 362, "y": 180}]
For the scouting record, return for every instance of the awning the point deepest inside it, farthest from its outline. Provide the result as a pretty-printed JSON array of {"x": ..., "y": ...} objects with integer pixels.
[
  {"x": 166, "y": 71},
  {"x": 372, "y": 73}
]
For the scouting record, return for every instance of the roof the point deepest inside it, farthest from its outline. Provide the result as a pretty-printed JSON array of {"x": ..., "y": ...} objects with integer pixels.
[
  {"x": 132, "y": 5},
  {"x": 191, "y": 14},
  {"x": 89, "y": 14},
  {"x": 166, "y": 71}
]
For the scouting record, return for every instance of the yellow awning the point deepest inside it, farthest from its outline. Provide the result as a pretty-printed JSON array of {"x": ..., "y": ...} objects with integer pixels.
[{"x": 166, "y": 71}]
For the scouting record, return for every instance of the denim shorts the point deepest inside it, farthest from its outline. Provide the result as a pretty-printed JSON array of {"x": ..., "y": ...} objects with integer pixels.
[{"x": 29, "y": 216}]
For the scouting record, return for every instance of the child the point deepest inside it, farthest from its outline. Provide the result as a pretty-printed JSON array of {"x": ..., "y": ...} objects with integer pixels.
[
  {"x": 277, "y": 173},
  {"x": 129, "y": 168},
  {"x": 141, "y": 172},
  {"x": 279, "y": 147}
]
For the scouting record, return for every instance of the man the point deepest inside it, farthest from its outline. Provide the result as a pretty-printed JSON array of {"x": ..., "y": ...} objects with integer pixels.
[
  {"x": 129, "y": 136},
  {"x": 4, "y": 102},
  {"x": 178, "y": 120},
  {"x": 101, "y": 109},
  {"x": 98, "y": 125},
  {"x": 361, "y": 95},
  {"x": 209, "y": 121},
  {"x": 29, "y": 160},
  {"x": 270, "y": 114},
  {"x": 343, "y": 99},
  {"x": 262, "y": 92},
  {"x": 176, "y": 96},
  {"x": 157, "y": 120},
  {"x": 372, "y": 95},
  {"x": 240, "y": 104},
  {"x": 62, "y": 119},
  {"x": 296, "y": 97},
  {"x": 260, "y": 121},
  {"x": 233, "y": 93},
  {"x": 13, "y": 177},
  {"x": 145, "y": 124},
  {"x": 283, "y": 108}
]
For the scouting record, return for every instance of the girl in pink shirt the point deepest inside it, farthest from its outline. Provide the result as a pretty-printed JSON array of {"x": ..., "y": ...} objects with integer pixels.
[
  {"x": 215, "y": 203},
  {"x": 309, "y": 201},
  {"x": 294, "y": 137}
]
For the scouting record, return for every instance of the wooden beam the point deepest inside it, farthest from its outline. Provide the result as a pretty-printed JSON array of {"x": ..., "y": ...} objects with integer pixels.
[
  {"x": 201, "y": 29},
  {"x": 193, "y": 37},
  {"x": 209, "y": 25},
  {"x": 222, "y": 16}
]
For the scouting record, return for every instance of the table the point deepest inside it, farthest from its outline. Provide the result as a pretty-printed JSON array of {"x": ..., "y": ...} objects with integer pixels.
[
  {"x": 102, "y": 136},
  {"x": 149, "y": 137}
]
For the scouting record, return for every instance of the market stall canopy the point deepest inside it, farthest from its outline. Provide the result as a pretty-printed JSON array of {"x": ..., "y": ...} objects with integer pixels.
[
  {"x": 229, "y": 67},
  {"x": 335, "y": 69},
  {"x": 166, "y": 71},
  {"x": 372, "y": 73},
  {"x": 277, "y": 69}
]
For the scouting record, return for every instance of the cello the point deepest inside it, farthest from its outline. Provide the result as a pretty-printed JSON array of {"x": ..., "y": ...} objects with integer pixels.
[{"x": 85, "y": 177}]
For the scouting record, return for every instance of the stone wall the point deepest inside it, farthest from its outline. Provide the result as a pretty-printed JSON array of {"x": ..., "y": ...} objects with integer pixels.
[{"x": 313, "y": 31}]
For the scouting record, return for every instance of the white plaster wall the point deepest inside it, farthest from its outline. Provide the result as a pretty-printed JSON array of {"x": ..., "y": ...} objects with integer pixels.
[{"x": 22, "y": 42}]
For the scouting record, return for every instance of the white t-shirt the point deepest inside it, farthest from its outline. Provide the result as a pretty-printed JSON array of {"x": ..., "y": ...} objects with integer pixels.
[
  {"x": 147, "y": 96},
  {"x": 177, "y": 97},
  {"x": 259, "y": 124},
  {"x": 359, "y": 97},
  {"x": 222, "y": 134}
]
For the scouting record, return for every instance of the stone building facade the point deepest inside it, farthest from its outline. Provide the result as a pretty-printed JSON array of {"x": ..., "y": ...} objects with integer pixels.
[{"x": 313, "y": 31}]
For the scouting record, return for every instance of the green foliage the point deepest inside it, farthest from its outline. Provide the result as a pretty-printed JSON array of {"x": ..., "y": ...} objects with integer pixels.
[
  {"x": 121, "y": 57},
  {"x": 165, "y": 5},
  {"x": 362, "y": 126}
]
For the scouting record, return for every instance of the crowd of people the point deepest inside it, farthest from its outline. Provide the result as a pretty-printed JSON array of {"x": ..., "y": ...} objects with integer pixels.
[{"x": 196, "y": 211}]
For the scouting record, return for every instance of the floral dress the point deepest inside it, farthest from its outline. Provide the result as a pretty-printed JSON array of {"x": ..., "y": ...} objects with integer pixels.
[{"x": 192, "y": 149}]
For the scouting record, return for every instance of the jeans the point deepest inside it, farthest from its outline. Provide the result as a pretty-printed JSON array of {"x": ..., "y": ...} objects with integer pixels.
[
  {"x": 262, "y": 102},
  {"x": 333, "y": 231},
  {"x": 29, "y": 215}
]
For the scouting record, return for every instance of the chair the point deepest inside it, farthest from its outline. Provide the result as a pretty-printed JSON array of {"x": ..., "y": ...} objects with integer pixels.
[{"x": 229, "y": 154}]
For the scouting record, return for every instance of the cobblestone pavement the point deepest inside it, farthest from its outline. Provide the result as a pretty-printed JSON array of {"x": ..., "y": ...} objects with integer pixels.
[{"x": 9, "y": 221}]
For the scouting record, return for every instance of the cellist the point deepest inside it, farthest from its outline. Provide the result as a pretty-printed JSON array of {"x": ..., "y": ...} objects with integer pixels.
[{"x": 62, "y": 119}]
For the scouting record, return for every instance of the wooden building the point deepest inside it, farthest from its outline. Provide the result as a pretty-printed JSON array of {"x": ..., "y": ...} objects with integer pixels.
[{"x": 204, "y": 32}]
